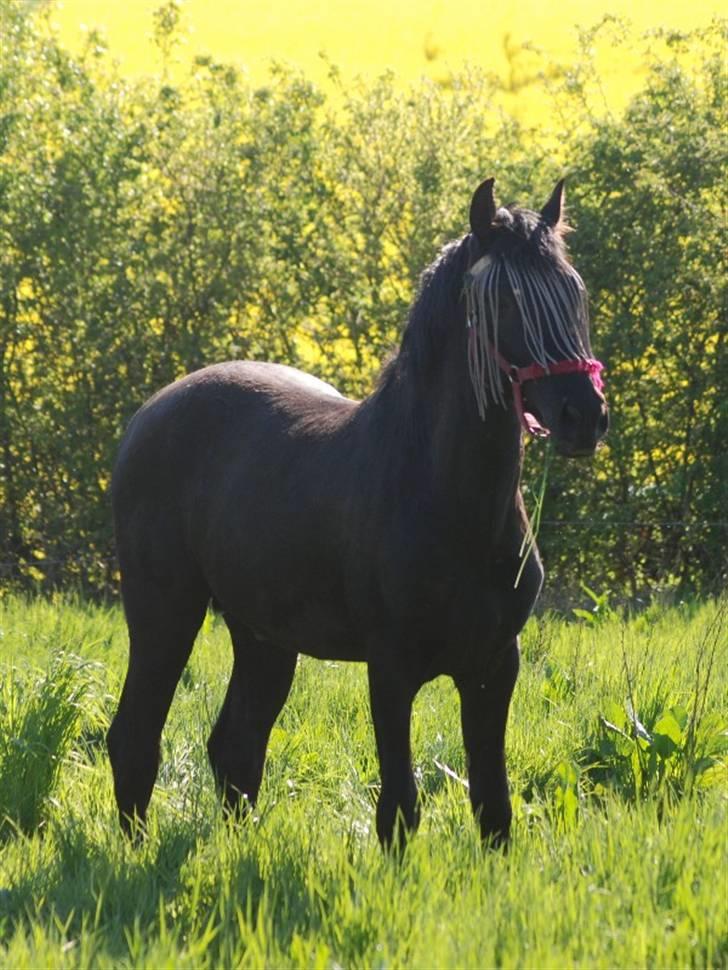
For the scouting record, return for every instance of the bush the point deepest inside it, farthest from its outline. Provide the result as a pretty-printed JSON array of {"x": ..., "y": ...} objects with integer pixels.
[{"x": 149, "y": 228}]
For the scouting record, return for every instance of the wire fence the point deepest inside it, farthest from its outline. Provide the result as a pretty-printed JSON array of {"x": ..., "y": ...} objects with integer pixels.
[
  {"x": 644, "y": 524},
  {"x": 591, "y": 525},
  {"x": 86, "y": 561}
]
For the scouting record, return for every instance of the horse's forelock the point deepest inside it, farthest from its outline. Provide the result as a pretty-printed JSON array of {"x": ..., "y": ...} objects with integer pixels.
[{"x": 550, "y": 295}]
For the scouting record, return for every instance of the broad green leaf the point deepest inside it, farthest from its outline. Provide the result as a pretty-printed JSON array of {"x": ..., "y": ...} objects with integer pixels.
[{"x": 668, "y": 725}]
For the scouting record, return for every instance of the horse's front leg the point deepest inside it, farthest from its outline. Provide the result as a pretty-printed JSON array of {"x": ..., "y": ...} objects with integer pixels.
[
  {"x": 485, "y": 695},
  {"x": 391, "y": 699}
]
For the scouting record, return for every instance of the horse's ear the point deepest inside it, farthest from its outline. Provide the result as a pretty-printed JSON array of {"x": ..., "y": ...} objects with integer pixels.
[
  {"x": 553, "y": 212},
  {"x": 482, "y": 210}
]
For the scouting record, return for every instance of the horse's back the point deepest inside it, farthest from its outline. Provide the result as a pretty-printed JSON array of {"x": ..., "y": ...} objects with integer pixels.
[
  {"x": 209, "y": 394},
  {"x": 223, "y": 399},
  {"x": 230, "y": 475},
  {"x": 209, "y": 421}
]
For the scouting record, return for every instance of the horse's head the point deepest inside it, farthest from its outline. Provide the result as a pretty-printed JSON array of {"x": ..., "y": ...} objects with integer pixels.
[{"x": 529, "y": 327}]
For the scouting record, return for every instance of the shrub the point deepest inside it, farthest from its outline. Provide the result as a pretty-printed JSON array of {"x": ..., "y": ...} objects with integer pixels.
[{"x": 149, "y": 228}]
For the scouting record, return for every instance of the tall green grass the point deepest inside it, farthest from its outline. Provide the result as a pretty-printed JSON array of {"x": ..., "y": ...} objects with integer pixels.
[
  {"x": 39, "y": 716},
  {"x": 608, "y": 867}
]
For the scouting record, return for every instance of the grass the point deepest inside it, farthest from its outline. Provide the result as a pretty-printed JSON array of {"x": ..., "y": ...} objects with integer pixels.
[
  {"x": 613, "y": 862},
  {"x": 39, "y": 720}
]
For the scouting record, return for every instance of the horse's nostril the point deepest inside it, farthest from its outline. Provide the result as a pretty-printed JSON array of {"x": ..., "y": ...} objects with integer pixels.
[{"x": 571, "y": 414}]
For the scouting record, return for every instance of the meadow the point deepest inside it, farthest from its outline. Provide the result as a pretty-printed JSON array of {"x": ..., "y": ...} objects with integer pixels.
[{"x": 617, "y": 744}]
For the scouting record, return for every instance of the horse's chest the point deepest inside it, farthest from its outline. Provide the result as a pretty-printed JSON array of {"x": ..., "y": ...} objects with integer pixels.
[{"x": 476, "y": 613}]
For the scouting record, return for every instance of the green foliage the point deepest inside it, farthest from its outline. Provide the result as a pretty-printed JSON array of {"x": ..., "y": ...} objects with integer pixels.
[
  {"x": 648, "y": 198},
  {"x": 600, "y": 611},
  {"x": 39, "y": 716},
  {"x": 596, "y": 877},
  {"x": 565, "y": 795},
  {"x": 638, "y": 760},
  {"x": 149, "y": 228}
]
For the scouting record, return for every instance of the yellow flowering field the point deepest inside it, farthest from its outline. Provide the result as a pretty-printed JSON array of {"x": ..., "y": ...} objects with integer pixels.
[{"x": 414, "y": 38}]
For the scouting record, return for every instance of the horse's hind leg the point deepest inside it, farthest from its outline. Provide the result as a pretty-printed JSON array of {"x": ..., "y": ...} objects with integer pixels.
[
  {"x": 259, "y": 685},
  {"x": 163, "y": 624}
]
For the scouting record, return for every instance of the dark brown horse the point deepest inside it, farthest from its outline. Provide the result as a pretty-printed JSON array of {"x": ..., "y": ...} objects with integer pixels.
[{"x": 385, "y": 531}]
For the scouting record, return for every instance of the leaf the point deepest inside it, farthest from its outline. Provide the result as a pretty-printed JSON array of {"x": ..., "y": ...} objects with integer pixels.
[
  {"x": 681, "y": 716},
  {"x": 614, "y": 713},
  {"x": 584, "y": 615},
  {"x": 613, "y": 727},
  {"x": 664, "y": 745},
  {"x": 570, "y": 807},
  {"x": 668, "y": 726},
  {"x": 567, "y": 774},
  {"x": 718, "y": 743},
  {"x": 704, "y": 764}
]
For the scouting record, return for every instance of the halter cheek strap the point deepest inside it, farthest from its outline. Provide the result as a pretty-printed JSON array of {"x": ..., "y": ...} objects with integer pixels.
[{"x": 518, "y": 376}]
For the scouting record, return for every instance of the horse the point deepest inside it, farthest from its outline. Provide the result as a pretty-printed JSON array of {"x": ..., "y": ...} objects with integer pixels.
[{"x": 387, "y": 531}]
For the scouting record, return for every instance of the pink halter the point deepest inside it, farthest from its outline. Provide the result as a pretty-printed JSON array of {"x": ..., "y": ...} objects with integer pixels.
[{"x": 533, "y": 372}]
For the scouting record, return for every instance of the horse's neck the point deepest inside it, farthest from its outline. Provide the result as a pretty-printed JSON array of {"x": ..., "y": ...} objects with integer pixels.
[
  {"x": 436, "y": 441},
  {"x": 477, "y": 462}
]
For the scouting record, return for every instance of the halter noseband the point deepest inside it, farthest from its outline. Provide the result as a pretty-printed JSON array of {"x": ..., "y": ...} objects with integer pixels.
[{"x": 518, "y": 376}]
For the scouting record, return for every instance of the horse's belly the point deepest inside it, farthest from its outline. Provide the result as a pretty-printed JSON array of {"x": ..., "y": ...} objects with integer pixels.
[
  {"x": 316, "y": 634},
  {"x": 295, "y": 611}
]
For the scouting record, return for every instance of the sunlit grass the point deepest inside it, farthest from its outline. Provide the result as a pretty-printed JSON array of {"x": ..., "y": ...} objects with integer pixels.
[{"x": 598, "y": 877}]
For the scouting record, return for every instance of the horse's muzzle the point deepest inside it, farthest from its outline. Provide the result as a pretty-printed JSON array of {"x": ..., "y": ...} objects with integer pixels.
[{"x": 579, "y": 431}]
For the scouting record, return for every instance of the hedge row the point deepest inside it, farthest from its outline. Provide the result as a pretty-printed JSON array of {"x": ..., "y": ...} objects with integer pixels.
[{"x": 148, "y": 228}]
